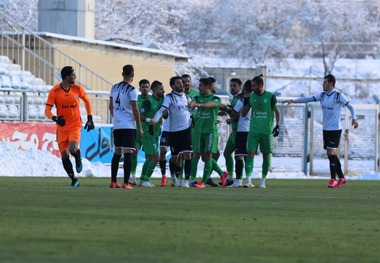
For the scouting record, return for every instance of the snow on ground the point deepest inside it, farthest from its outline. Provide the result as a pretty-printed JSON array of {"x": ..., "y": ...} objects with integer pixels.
[{"x": 42, "y": 163}]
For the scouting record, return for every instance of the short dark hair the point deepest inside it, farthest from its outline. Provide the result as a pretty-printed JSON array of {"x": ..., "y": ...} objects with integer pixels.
[
  {"x": 212, "y": 80},
  {"x": 238, "y": 81},
  {"x": 186, "y": 76},
  {"x": 248, "y": 86},
  {"x": 66, "y": 71},
  {"x": 259, "y": 80},
  {"x": 155, "y": 84},
  {"x": 331, "y": 79},
  {"x": 205, "y": 81},
  {"x": 128, "y": 70},
  {"x": 173, "y": 79},
  {"x": 143, "y": 81}
]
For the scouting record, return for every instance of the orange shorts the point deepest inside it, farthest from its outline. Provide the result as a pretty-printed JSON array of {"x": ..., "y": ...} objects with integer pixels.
[{"x": 64, "y": 137}]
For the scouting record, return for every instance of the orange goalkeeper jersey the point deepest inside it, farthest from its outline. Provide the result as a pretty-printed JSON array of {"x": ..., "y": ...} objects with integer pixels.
[{"x": 67, "y": 104}]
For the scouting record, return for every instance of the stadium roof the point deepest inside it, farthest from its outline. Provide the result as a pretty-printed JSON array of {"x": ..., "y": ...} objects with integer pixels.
[{"x": 113, "y": 44}]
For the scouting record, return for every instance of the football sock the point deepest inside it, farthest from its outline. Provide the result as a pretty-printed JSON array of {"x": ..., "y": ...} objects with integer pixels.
[
  {"x": 248, "y": 179},
  {"x": 115, "y": 166},
  {"x": 187, "y": 169},
  {"x": 248, "y": 170},
  {"x": 150, "y": 169},
  {"x": 265, "y": 167},
  {"x": 207, "y": 171},
  {"x": 77, "y": 156},
  {"x": 339, "y": 171},
  {"x": 134, "y": 164},
  {"x": 239, "y": 165},
  {"x": 229, "y": 162},
  {"x": 68, "y": 166},
  {"x": 216, "y": 167},
  {"x": 127, "y": 166},
  {"x": 333, "y": 165},
  {"x": 171, "y": 167},
  {"x": 249, "y": 163},
  {"x": 194, "y": 168},
  {"x": 144, "y": 170},
  {"x": 163, "y": 167}
]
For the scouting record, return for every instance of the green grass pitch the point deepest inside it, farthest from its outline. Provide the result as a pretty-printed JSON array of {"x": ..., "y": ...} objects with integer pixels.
[{"x": 44, "y": 220}]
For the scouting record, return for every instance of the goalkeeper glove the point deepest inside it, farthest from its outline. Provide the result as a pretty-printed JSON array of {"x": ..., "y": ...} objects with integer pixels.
[
  {"x": 276, "y": 131},
  {"x": 59, "y": 120},
  {"x": 89, "y": 124}
]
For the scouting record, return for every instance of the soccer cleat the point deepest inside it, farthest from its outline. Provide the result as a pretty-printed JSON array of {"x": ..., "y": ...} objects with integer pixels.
[
  {"x": 211, "y": 182},
  {"x": 164, "y": 181},
  {"x": 223, "y": 178},
  {"x": 126, "y": 186},
  {"x": 262, "y": 183},
  {"x": 175, "y": 182},
  {"x": 185, "y": 183},
  {"x": 193, "y": 183},
  {"x": 332, "y": 183},
  {"x": 147, "y": 184},
  {"x": 200, "y": 185},
  {"x": 341, "y": 182},
  {"x": 132, "y": 180},
  {"x": 75, "y": 184},
  {"x": 248, "y": 185},
  {"x": 140, "y": 182},
  {"x": 236, "y": 183},
  {"x": 114, "y": 185},
  {"x": 78, "y": 165},
  {"x": 229, "y": 182}
]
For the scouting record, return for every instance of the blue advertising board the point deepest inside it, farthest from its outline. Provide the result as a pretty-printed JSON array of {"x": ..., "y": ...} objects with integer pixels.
[{"x": 97, "y": 145}]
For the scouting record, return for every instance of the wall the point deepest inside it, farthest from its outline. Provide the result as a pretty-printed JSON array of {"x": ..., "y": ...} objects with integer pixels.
[
  {"x": 108, "y": 61},
  {"x": 68, "y": 17}
]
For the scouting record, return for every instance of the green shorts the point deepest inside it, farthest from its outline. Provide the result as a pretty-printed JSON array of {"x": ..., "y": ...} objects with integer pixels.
[
  {"x": 231, "y": 141},
  {"x": 264, "y": 140},
  {"x": 150, "y": 144},
  {"x": 205, "y": 142}
]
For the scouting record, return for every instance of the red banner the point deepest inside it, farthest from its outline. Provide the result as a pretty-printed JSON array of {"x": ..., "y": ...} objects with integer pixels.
[{"x": 29, "y": 136}]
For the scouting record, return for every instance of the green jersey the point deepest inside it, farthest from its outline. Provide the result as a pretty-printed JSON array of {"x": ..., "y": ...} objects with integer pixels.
[
  {"x": 262, "y": 112},
  {"x": 206, "y": 117},
  {"x": 233, "y": 102},
  {"x": 192, "y": 93},
  {"x": 148, "y": 108}
]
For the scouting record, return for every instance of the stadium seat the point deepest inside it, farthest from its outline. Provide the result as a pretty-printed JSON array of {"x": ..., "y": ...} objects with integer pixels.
[{"x": 3, "y": 71}]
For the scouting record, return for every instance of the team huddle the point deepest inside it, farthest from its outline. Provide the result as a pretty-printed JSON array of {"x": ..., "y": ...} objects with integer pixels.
[{"x": 186, "y": 121}]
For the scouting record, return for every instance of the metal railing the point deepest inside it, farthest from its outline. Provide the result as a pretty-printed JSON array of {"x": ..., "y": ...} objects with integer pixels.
[{"x": 41, "y": 58}]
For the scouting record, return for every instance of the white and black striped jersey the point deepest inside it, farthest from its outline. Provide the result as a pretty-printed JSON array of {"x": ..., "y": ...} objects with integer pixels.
[
  {"x": 243, "y": 122},
  {"x": 179, "y": 115},
  {"x": 331, "y": 104},
  {"x": 122, "y": 94}
]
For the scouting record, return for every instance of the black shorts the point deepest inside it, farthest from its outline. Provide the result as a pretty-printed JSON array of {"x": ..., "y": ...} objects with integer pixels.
[
  {"x": 124, "y": 138},
  {"x": 331, "y": 139},
  {"x": 164, "y": 140},
  {"x": 241, "y": 143},
  {"x": 180, "y": 141}
]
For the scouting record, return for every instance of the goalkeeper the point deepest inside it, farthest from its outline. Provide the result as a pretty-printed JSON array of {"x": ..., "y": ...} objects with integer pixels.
[{"x": 65, "y": 97}]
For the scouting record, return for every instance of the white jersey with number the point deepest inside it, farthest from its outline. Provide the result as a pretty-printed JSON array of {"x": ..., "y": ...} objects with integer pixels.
[
  {"x": 243, "y": 122},
  {"x": 122, "y": 94},
  {"x": 331, "y": 103},
  {"x": 177, "y": 106}
]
